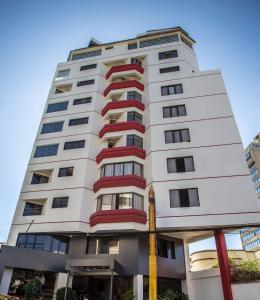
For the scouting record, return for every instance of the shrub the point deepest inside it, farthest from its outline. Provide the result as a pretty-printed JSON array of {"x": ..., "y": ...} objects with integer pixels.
[
  {"x": 171, "y": 295},
  {"x": 33, "y": 289},
  {"x": 247, "y": 271},
  {"x": 128, "y": 295},
  {"x": 71, "y": 294}
]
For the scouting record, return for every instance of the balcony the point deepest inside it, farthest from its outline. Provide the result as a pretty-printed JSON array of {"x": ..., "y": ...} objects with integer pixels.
[
  {"x": 122, "y": 104},
  {"x": 120, "y": 152},
  {"x": 118, "y": 216},
  {"x": 121, "y": 126},
  {"x": 123, "y": 85},
  {"x": 118, "y": 181},
  {"x": 123, "y": 68}
]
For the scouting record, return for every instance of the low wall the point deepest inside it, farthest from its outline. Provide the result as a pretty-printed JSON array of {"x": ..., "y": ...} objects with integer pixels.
[{"x": 206, "y": 285}]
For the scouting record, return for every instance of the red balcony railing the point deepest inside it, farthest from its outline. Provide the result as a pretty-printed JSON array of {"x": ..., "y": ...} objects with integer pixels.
[
  {"x": 117, "y": 181},
  {"x": 122, "y": 104},
  {"x": 121, "y": 126},
  {"x": 118, "y": 216},
  {"x": 120, "y": 152},
  {"x": 123, "y": 68},
  {"x": 123, "y": 85}
]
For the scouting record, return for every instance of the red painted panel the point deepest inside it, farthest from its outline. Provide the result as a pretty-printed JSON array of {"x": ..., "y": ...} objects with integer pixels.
[
  {"x": 122, "y": 104},
  {"x": 117, "y": 216},
  {"x": 122, "y": 68},
  {"x": 121, "y": 126},
  {"x": 120, "y": 152},
  {"x": 123, "y": 85},
  {"x": 116, "y": 181},
  {"x": 225, "y": 271}
]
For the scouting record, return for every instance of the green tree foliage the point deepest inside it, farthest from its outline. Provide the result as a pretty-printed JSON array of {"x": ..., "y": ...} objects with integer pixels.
[
  {"x": 33, "y": 289},
  {"x": 71, "y": 294},
  {"x": 171, "y": 295}
]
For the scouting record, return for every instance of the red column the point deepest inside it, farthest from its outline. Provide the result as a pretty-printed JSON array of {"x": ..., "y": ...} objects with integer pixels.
[{"x": 225, "y": 271}]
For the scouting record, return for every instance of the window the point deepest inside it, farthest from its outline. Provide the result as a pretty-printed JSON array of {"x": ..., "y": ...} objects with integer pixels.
[
  {"x": 62, "y": 74},
  {"x": 55, "y": 244},
  {"x": 186, "y": 42},
  {"x": 133, "y": 95},
  {"x": 168, "y": 54},
  {"x": 166, "y": 248},
  {"x": 184, "y": 198},
  {"x": 82, "y": 101},
  {"x": 74, "y": 145},
  {"x": 120, "y": 169},
  {"x": 136, "y": 61},
  {"x": 52, "y": 127},
  {"x": 32, "y": 209},
  {"x": 134, "y": 140},
  {"x": 59, "y": 202},
  {"x": 78, "y": 121},
  {"x": 86, "y": 54},
  {"x": 47, "y": 150},
  {"x": 64, "y": 172},
  {"x": 132, "y": 46},
  {"x": 103, "y": 245},
  {"x": 177, "y": 136},
  {"x": 53, "y": 107},
  {"x": 159, "y": 41},
  {"x": 109, "y": 48},
  {"x": 60, "y": 89},
  {"x": 41, "y": 177},
  {"x": 174, "y": 111},
  {"x": 180, "y": 164},
  {"x": 85, "y": 82},
  {"x": 88, "y": 67},
  {"x": 169, "y": 69},
  {"x": 134, "y": 116},
  {"x": 171, "y": 89},
  {"x": 120, "y": 201}
]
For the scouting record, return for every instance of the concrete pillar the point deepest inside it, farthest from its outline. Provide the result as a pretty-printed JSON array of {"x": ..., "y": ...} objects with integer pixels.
[
  {"x": 6, "y": 280},
  {"x": 188, "y": 283},
  {"x": 60, "y": 282},
  {"x": 138, "y": 287},
  {"x": 224, "y": 266}
]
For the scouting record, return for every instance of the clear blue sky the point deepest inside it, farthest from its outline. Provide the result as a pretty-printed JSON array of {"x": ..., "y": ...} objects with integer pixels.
[{"x": 36, "y": 35}]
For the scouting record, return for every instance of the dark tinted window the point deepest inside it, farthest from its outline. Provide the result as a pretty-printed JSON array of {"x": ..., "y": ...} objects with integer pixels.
[
  {"x": 184, "y": 198},
  {"x": 120, "y": 169},
  {"x": 39, "y": 178},
  {"x": 32, "y": 209},
  {"x": 134, "y": 116},
  {"x": 63, "y": 172},
  {"x": 132, "y": 46},
  {"x": 82, "y": 100},
  {"x": 166, "y": 248},
  {"x": 86, "y": 54},
  {"x": 177, "y": 136},
  {"x": 134, "y": 140},
  {"x": 78, "y": 121},
  {"x": 85, "y": 82},
  {"x": 171, "y": 89},
  {"x": 59, "y": 202},
  {"x": 53, "y": 107},
  {"x": 168, "y": 54},
  {"x": 88, "y": 67},
  {"x": 180, "y": 164},
  {"x": 159, "y": 41},
  {"x": 133, "y": 95},
  {"x": 174, "y": 111},
  {"x": 47, "y": 150},
  {"x": 52, "y": 127},
  {"x": 74, "y": 145},
  {"x": 169, "y": 69}
]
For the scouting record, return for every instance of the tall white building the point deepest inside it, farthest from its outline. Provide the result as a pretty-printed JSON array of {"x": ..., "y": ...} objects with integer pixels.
[{"x": 120, "y": 117}]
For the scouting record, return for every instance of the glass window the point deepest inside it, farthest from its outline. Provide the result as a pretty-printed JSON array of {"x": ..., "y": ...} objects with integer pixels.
[
  {"x": 136, "y": 61},
  {"x": 80, "y": 101},
  {"x": 159, "y": 41},
  {"x": 39, "y": 179},
  {"x": 52, "y": 127},
  {"x": 125, "y": 201},
  {"x": 132, "y": 46},
  {"x": 74, "y": 145},
  {"x": 32, "y": 209},
  {"x": 168, "y": 54},
  {"x": 86, "y": 82},
  {"x": 59, "y": 202},
  {"x": 47, "y": 150},
  {"x": 63, "y": 172},
  {"x": 134, "y": 116},
  {"x": 88, "y": 67},
  {"x": 174, "y": 111},
  {"x": 171, "y": 89},
  {"x": 134, "y": 140},
  {"x": 138, "y": 169},
  {"x": 184, "y": 198},
  {"x": 119, "y": 170},
  {"x": 169, "y": 69},
  {"x": 177, "y": 136},
  {"x": 180, "y": 164},
  {"x": 86, "y": 54},
  {"x": 62, "y": 74},
  {"x": 133, "y": 95},
  {"x": 128, "y": 168},
  {"x": 59, "y": 106},
  {"x": 78, "y": 121}
]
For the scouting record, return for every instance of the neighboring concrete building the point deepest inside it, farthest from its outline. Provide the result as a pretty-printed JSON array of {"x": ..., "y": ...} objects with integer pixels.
[
  {"x": 119, "y": 118},
  {"x": 207, "y": 259},
  {"x": 250, "y": 237}
]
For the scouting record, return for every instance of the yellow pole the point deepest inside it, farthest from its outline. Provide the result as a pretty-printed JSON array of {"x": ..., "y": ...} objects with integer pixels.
[{"x": 152, "y": 247}]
